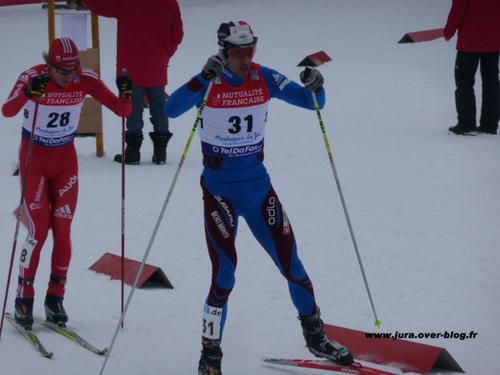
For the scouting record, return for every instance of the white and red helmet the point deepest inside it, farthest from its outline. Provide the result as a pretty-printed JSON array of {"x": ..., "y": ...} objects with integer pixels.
[
  {"x": 63, "y": 54},
  {"x": 235, "y": 34}
]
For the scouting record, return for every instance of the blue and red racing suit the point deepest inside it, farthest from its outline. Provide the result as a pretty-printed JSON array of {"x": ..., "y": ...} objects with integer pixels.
[{"x": 235, "y": 182}]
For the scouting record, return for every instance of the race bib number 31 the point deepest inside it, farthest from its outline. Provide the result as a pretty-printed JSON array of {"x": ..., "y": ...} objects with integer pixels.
[{"x": 212, "y": 319}]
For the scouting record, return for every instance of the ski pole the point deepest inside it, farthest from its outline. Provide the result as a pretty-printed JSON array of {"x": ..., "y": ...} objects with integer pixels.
[
  {"x": 339, "y": 188},
  {"x": 18, "y": 218},
  {"x": 157, "y": 225},
  {"x": 122, "y": 299},
  {"x": 123, "y": 96}
]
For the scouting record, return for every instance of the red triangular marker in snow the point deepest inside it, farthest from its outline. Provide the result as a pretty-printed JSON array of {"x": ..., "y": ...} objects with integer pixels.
[
  {"x": 422, "y": 36},
  {"x": 315, "y": 59},
  {"x": 110, "y": 264},
  {"x": 408, "y": 356}
]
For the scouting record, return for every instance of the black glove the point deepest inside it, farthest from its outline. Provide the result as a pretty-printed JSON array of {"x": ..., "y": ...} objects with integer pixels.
[
  {"x": 36, "y": 88},
  {"x": 214, "y": 66},
  {"x": 312, "y": 79},
  {"x": 124, "y": 84}
]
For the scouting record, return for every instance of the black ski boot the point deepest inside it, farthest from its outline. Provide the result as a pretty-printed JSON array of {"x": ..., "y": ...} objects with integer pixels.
[
  {"x": 160, "y": 147},
  {"x": 211, "y": 357},
  {"x": 24, "y": 312},
  {"x": 54, "y": 310},
  {"x": 319, "y": 345},
  {"x": 132, "y": 150}
]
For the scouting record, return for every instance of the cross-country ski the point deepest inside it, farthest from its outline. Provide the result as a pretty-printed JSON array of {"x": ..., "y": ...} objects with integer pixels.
[
  {"x": 320, "y": 364},
  {"x": 30, "y": 336},
  {"x": 70, "y": 334}
]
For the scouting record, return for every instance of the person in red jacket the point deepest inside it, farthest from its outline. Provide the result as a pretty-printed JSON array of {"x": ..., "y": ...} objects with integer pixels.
[
  {"x": 148, "y": 35},
  {"x": 478, "y": 25},
  {"x": 51, "y": 96}
]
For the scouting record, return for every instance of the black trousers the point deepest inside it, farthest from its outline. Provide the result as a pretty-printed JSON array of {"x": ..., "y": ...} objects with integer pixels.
[{"x": 465, "y": 70}]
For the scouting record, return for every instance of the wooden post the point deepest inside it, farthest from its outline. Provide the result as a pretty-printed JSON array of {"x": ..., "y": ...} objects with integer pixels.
[
  {"x": 50, "y": 14},
  {"x": 95, "y": 31},
  {"x": 99, "y": 138}
]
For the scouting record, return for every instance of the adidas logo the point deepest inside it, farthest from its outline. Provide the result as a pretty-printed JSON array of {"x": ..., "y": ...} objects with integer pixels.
[{"x": 63, "y": 212}]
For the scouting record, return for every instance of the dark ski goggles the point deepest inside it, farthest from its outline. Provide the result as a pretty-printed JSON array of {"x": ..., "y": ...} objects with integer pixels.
[{"x": 242, "y": 52}]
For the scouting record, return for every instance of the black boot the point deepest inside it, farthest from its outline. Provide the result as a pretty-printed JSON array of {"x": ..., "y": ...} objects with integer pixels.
[
  {"x": 319, "y": 345},
  {"x": 24, "y": 312},
  {"x": 54, "y": 310},
  {"x": 485, "y": 130},
  {"x": 132, "y": 150},
  {"x": 211, "y": 358},
  {"x": 460, "y": 130},
  {"x": 160, "y": 147}
]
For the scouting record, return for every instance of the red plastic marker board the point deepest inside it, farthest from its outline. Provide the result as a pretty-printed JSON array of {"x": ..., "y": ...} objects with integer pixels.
[
  {"x": 110, "y": 264},
  {"x": 406, "y": 355},
  {"x": 315, "y": 59},
  {"x": 422, "y": 36}
]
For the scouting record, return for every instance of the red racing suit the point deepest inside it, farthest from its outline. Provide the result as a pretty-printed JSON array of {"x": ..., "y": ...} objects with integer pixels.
[{"x": 51, "y": 189}]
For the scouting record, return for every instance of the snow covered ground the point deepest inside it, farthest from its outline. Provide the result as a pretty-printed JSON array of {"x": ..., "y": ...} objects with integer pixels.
[{"x": 424, "y": 204}]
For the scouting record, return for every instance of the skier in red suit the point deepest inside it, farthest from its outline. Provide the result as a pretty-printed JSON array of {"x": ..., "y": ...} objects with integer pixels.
[{"x": 51, "y": 96}]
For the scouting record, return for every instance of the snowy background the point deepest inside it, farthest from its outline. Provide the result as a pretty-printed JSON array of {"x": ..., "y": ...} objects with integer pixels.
[{"x": 424, "y": 203}]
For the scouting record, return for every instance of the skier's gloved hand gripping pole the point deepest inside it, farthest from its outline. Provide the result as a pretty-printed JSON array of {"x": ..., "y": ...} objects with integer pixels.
[
  {"x": 124, "y": 85},
  {"x": 36, "y": 88},
  {"x": 313, "y": 80},
  {"x": 160, "y": 217},
  {"x": 214, "y": 66},
  {"x": 34, "y": 91}
]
